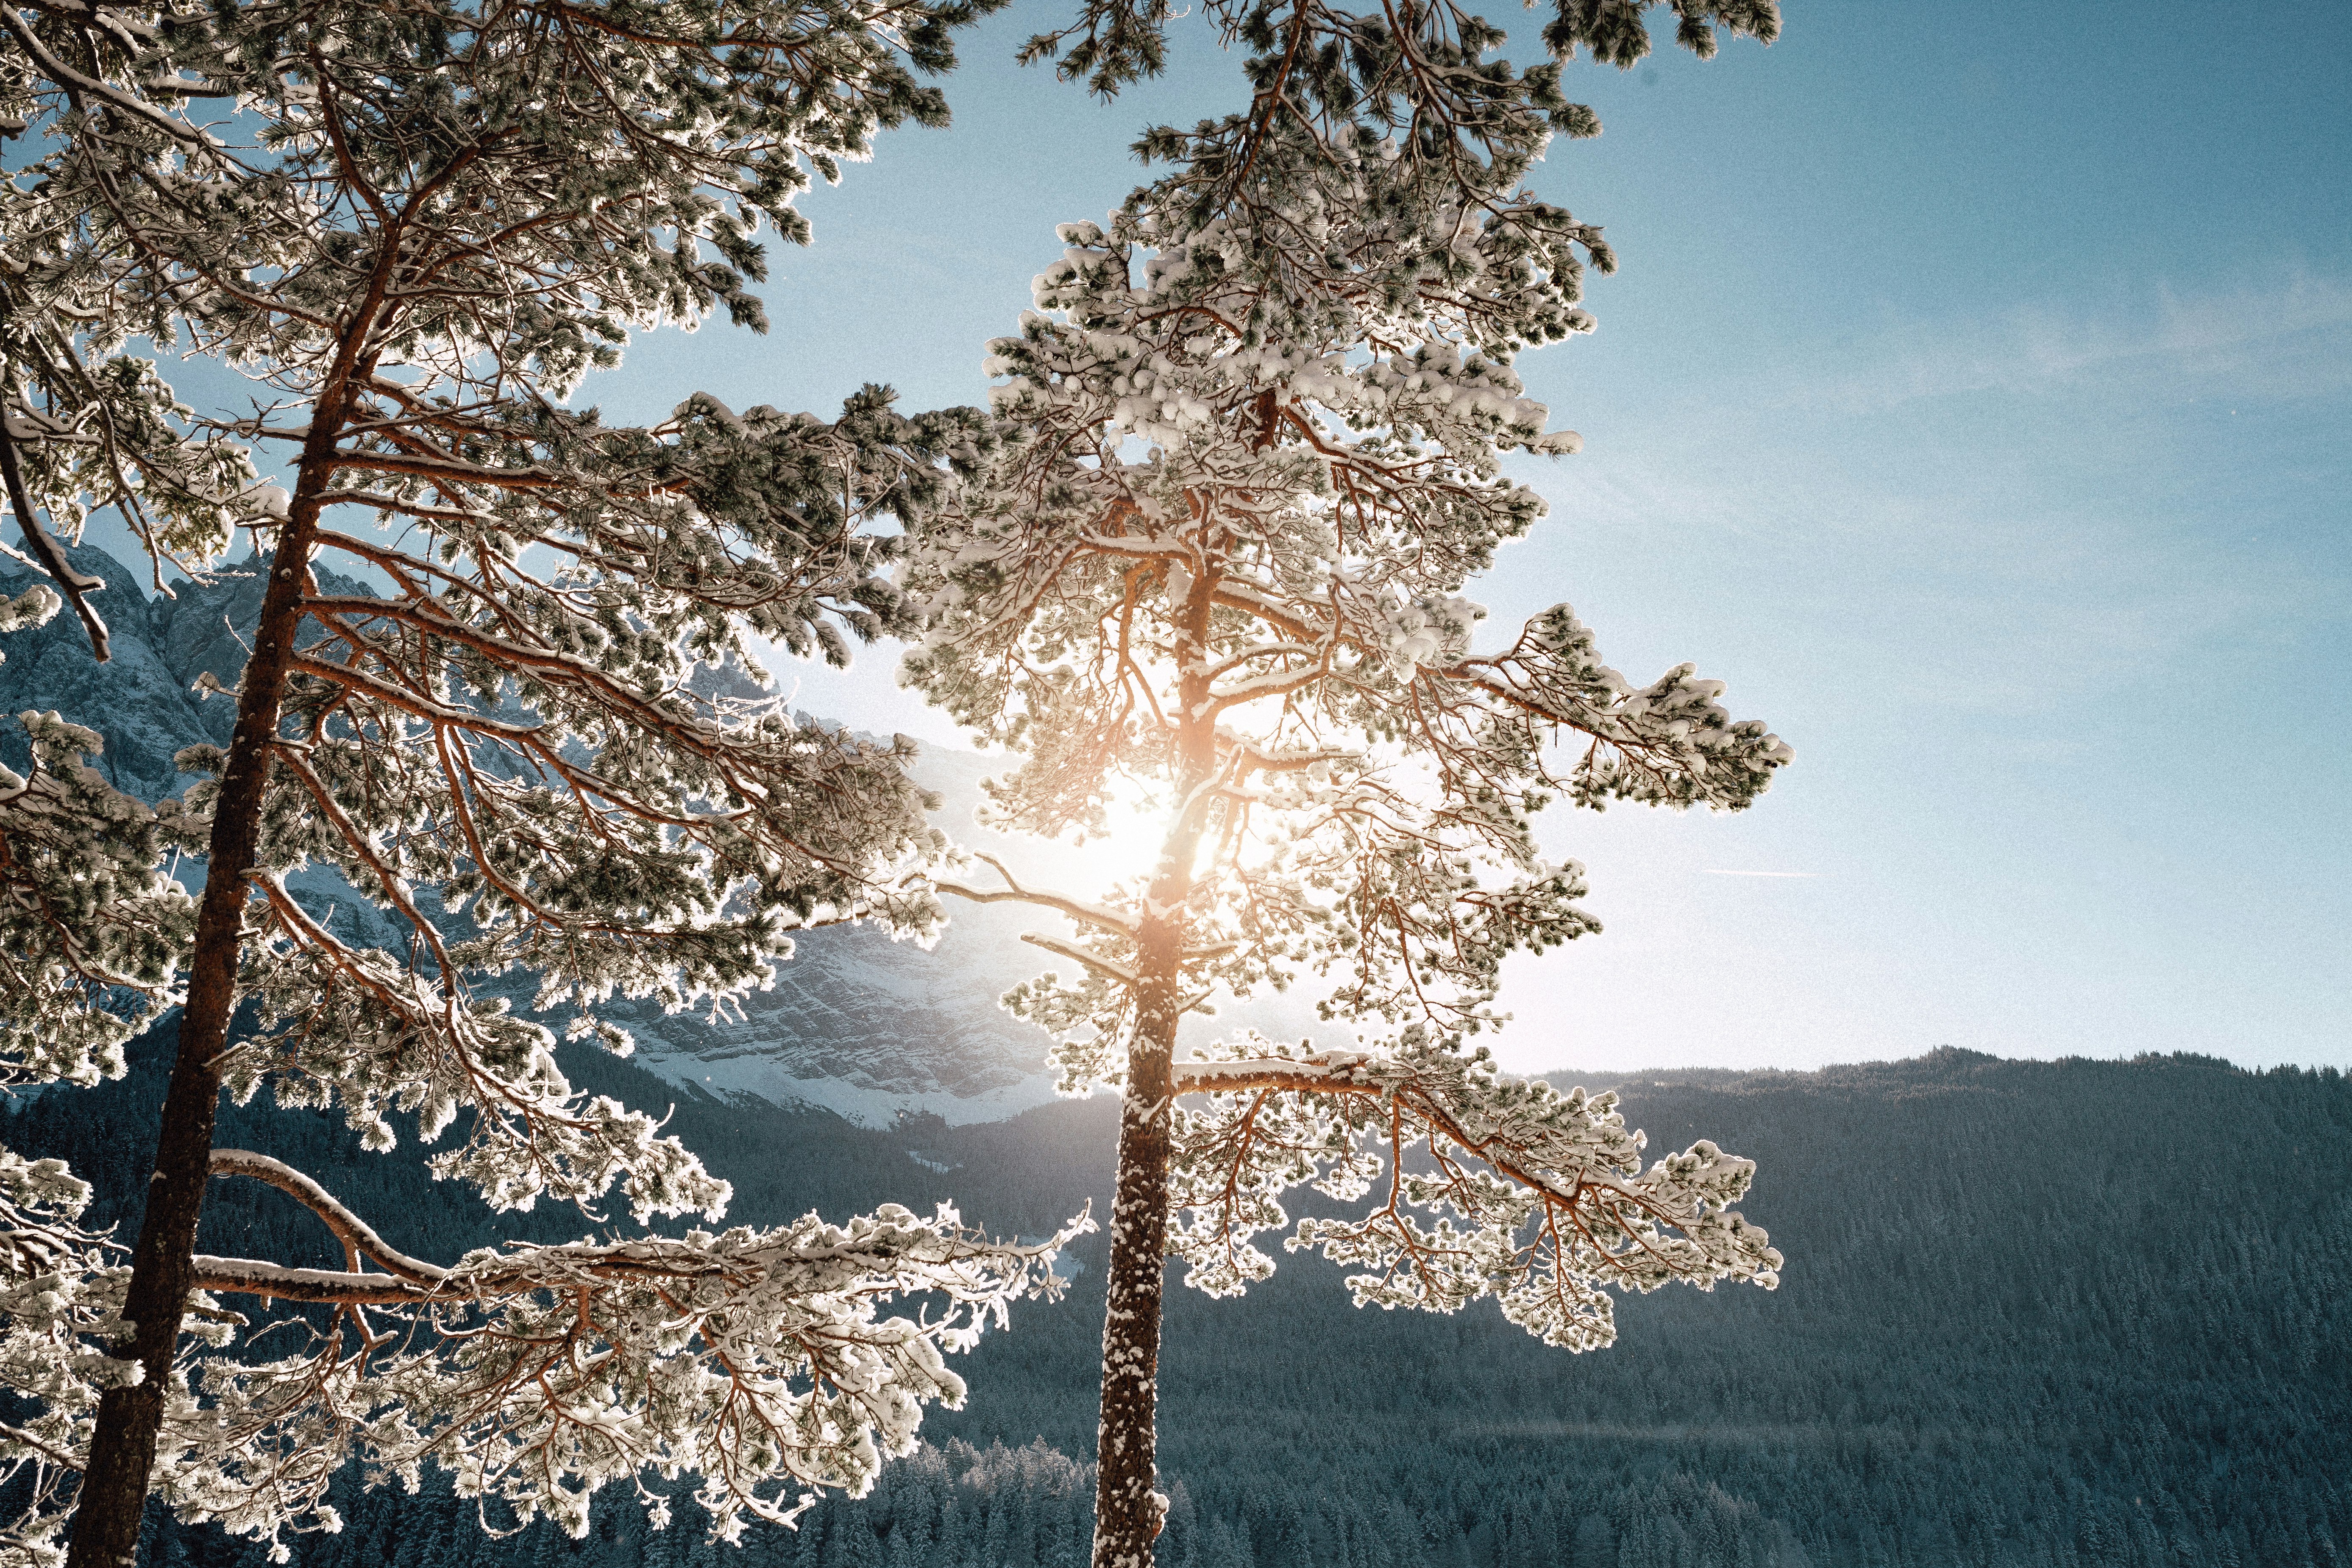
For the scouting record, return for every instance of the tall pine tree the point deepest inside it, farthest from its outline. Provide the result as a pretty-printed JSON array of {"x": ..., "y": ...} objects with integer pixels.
[
  {"x": 414, "y": 230},
  {"x": 1254, "y": 443}
]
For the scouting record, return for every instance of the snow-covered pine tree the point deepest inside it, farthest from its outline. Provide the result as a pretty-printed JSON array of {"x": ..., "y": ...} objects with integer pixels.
[
  {"x": 1254, "y": 436},
  {"x": 415, "y": 229}
]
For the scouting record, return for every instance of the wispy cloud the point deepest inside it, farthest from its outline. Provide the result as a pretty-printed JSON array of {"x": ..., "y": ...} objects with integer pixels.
[
  {"x": 2005, "y": 515},
  {"x": 2282, "y": 339}
]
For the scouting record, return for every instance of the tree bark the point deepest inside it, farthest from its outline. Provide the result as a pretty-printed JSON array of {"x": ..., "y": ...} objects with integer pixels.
[
  {"x": 113, "y": 1492},
  {"x": 1128, "y": 1507}
]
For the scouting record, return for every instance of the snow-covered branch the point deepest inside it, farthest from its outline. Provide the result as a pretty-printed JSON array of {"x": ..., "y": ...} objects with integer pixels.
[
  {"x": 758, "y": 1360},
  {"x": 1109, "y": 969},
  {"x": 91, "y": 929},
  {"x": 60, "y": 1303},
  {"x": 1547, "y": 1201},
  {"x": 1014, "y": 891},
  {"x": 768, "y": 1363},
  {"x": 355, "y": 1234}
]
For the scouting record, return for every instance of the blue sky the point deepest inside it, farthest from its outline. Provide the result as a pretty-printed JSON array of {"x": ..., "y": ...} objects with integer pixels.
[{"x": 1975, "y": 397}]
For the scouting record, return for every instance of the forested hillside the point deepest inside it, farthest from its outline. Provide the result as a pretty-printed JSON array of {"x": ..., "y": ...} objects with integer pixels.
[{"x": 2070, "y": 1313}]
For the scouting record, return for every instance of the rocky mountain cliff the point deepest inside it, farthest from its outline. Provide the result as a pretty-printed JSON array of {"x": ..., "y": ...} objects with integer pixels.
[
  {"x": 856, "y": 1023},
  {"x": 142, "y": 700}
]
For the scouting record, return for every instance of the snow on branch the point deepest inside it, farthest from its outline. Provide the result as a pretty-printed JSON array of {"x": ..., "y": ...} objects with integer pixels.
[
  {"x": 355, "y": 1234},
  {"x": 1234, "y": 560},
  {"x": 47, "y": 557},
  {"x": 764, "y": 1365},
  {"x": 1478, "y": 1185},
  {"x": 1117, "y": 973},
  {"x": 1078, "y": 910},
  {"x": 60, "y": 1303},
  {"x": 760, "y": 1362},
  {"x": 91, "y": 928}
]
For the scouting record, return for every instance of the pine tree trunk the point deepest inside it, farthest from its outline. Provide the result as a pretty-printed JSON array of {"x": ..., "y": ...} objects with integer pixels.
[
  {"x": 1127, "y": 1503},
  {"x": 1129, "y": 1509},
  {"x": 122, "y": 1449}
]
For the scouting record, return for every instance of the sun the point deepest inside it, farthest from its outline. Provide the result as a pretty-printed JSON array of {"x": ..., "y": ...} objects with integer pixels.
[{"x": 1124, "y": 850}]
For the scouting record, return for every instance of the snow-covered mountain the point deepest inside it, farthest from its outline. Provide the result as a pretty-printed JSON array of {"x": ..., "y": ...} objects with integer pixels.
[
  {"x": 141, "y": 701},
  {"x": 866, "y": 1026},
  {"x": 856, "y": 1023}
]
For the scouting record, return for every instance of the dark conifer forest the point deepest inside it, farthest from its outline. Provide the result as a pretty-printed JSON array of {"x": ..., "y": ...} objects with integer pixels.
[{"x": 2080, "y": 1312}]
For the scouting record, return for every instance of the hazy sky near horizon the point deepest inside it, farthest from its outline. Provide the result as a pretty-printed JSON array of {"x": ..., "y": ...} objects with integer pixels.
[{"x": 1975, "y": 397}]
